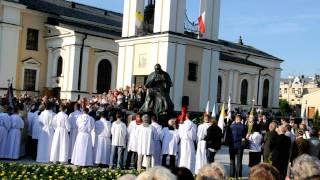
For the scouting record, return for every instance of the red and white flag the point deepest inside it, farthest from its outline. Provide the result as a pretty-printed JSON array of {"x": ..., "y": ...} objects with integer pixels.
[{"x": 202, "y": 27}]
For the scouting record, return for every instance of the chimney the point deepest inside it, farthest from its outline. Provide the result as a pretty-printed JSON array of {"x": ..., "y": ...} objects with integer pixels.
[
  {"x": 240, "y": 40},
  {"x": 73, "y": 4}
]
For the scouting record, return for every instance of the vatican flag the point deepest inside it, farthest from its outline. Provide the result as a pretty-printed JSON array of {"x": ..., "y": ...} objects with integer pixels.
[
  {"x": 221, "y": 118},
  {"x": 139, "y": 19}
]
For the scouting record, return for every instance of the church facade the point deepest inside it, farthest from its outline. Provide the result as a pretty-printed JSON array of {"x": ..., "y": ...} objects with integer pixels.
[{"x": 72, "y": 50}]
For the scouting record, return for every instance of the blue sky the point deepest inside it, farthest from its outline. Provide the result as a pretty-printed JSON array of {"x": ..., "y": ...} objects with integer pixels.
[{"x": 288, "y": 29}]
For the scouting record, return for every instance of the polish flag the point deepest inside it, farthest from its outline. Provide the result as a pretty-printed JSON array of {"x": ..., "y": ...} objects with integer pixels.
[{"x": 202, "y": 28}]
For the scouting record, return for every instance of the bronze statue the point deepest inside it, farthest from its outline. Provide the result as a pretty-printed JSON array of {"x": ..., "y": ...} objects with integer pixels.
[{"x": 158, "y": 95}]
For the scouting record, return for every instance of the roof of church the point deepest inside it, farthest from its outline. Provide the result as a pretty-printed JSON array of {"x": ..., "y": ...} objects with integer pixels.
[
  {"x": 87, "y": 18},
  {"x": 105, "y": 23},
  {"x": 235, "y": 59},
  {"x": 247, "y": 48}
]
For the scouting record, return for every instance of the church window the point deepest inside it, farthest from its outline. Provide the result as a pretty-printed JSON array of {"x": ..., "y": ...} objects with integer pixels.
[
  {"x": 192, "y": 75},
  {"x": 29, "y": 83},
  {"x": 219, "y": 91},
  {"x": 104, "y": 76},
  {"x": 244, "y": 92},
  {"x": 293, "y": 90},
  {"x": 285, "y": 90},
  {"x": 265, "y": 98},
  {"x": 32, "y": 39},
  {"x": 59, "y": 67}
]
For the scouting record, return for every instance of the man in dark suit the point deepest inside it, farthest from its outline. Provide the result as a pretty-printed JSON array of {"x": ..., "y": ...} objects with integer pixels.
[
  {"x": 267, "y": 140},
  {"x": 213, "y": 140},
  {"x": 236, "y": 136},
  {"x": 280, "y": 147}
]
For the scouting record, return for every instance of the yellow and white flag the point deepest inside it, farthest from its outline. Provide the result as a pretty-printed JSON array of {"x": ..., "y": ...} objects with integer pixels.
[
  {"x": 139, "y": 19},
  {"x": 221, "y": 118}
]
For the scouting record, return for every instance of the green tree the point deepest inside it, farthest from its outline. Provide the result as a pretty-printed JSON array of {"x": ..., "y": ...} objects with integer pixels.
[{"x": 285, "y": 108}]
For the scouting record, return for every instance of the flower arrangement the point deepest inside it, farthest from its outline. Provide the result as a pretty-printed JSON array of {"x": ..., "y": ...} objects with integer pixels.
[{"x": 47, "y": 172}]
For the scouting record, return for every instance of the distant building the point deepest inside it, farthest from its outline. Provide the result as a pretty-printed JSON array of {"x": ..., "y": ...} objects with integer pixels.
[
  {"x": 310, "y": 104},
  {"x": 294, "y": 88}
]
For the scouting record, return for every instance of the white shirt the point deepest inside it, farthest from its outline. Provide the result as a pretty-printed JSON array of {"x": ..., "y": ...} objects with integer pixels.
[
  {"x": 170, "y": 140},
  {"x": 255, "y": 140},
  {"x": 119, "y": 133},
  {"x": 146, "y": 137}
]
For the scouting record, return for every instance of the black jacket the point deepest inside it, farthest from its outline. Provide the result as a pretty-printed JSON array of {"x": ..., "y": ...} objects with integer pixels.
[{"x": 213, "y": 137}]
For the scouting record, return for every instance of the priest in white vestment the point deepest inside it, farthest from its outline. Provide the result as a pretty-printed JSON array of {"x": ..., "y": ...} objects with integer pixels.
[
  {"x": 82, "y": 154},
  {"x": 132, "y": 155},
  {"x": 119, "y": 136},
  {"x": 74, "y": 129},
  {"x": 156, "y": 157},
  {"x": 102, "y": 145},
  {"x": 146, "y": 136},
  {"x": 46, "y": 134},
  {"x": 170, "y": 144},
  {"x": 188, "y": 137},
  {"x": 13, "y": 143},
  {"x": 201, "y": 156},
  {"x": 36, "y": 129},
  {"x": 5, "y": 125},
  {"x": 60, "y": 141}
]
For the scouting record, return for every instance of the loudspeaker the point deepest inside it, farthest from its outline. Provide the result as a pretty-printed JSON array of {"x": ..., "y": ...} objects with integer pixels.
[{"x": 185, "y": 101}]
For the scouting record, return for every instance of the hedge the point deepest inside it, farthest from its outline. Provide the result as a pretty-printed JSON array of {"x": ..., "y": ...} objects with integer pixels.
[{"x": 47, "y": 172}]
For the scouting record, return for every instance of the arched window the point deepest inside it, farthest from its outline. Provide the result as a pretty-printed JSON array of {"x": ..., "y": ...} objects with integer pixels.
[
  {"x": 59, "y": 66},
  {"x": 265, "y": 97},
  {"x": 104, "y": 76},
  {"x": 244, "y": 92},
  {"x": 219, "y": 90}
]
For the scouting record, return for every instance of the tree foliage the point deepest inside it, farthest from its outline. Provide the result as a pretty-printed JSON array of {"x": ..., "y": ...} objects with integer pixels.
[{"x": 285, "y": 108}]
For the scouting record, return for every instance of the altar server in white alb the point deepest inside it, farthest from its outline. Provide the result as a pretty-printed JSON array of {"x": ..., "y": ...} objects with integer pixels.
[
  {"x": 102, "y": 145},
  {"x": 132, "y": 155},
  {"x": 170, "y": 144},
  {"x": 119, "y": 136},
  {"x": 4, "y": 128},
  {"x": 146, "y": 135},
  {"x": 74, "y": 129},
  {"x": 82, "y": 154},
  {"x": 201, "y": 156},
  {"x": 156, "y": 157},
  {"x": 188, "y": 137},
  {"x": 46, "y": 134},
  {"x": 60, "y": 141},
  {"x": 14, "y": 136}
]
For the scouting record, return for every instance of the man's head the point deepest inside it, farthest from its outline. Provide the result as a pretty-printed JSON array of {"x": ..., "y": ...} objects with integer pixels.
[
  {"x": 272, "y": 126},
  {"x": 157, "y": 68},
  {"x": 264, "y": 171},
  {"x": 211, "y": 171},
  {"x": 238, "y": 118},
  {"x": 146, "y": 120},
  {"x": 206, "y": 118},
  {"x": 172, "y": 122}
]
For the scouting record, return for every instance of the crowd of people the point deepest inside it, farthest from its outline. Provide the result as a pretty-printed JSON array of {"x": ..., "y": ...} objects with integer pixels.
[{"x": 109, "y": 131}]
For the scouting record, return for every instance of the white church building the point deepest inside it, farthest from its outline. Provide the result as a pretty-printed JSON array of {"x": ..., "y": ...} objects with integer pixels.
[{"x": 71, "y": 50}]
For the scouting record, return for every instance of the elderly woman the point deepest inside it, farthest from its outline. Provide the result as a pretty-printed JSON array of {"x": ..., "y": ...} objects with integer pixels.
[
  {"x": 212, "y": 171},
  {"x": 306, "y": 167}
]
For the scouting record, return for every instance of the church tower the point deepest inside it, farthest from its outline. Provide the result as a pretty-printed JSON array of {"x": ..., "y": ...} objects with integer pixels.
[{"x": 154, "y": 32}]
